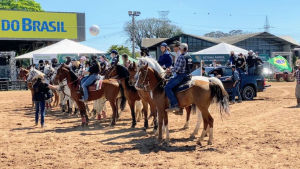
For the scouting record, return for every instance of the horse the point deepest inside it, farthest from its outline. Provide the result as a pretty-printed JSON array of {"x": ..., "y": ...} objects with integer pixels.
[
  {"x": 110, "y": 89},
  {"x": 201, "y": 94},
  {"x": 23, "y": 74}
]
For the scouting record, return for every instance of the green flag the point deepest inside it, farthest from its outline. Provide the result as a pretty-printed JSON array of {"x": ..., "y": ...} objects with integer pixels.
[{"x": 280, "y": 63}]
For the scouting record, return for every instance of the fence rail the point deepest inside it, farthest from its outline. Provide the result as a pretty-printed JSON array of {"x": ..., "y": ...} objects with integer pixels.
[{"x": 13, "y": 85}]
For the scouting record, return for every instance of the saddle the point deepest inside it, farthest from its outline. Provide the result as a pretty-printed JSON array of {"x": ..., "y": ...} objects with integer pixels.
[
  {"x": 184, "y": 85},
  {"x": 96, "y": 85}
]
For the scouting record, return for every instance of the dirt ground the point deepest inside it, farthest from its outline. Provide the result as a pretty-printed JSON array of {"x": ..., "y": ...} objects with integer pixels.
[{"x": 263, "y": 133}]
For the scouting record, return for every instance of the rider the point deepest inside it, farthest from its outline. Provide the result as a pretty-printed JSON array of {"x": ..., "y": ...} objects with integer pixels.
[
  {"x": 126, "y": 61},
  {"x": 115, "y": 57},
  {"x": 82, "y": 63},
  {"x": 175, "y": 45},
  {"x": 103, "y": 62},
  {"x": 145, "y": 52},
  {"x": 54, "y": 62},
  {"x": 165, "y": 60},
  {"x": 93, "y": 74},
  {"x": 68, "y": 62},
  {"x": 182, "y": 68}
]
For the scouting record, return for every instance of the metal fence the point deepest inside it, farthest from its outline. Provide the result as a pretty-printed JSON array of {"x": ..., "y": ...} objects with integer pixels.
[{"x": 13, "y": 85}]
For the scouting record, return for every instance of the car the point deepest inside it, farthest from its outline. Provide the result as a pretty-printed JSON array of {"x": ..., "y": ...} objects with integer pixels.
[{"x": 250, "y": 84}]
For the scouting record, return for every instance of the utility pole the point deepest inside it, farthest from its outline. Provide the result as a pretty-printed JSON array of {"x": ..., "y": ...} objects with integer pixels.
[{"x": 133, "y": 14}]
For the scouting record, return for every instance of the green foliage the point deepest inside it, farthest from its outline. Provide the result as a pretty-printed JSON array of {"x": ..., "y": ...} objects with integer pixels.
[
  {"x": 294, "y": 60},
  {"x": 24, "y": 5},
  {"x": 120, "y": 48},
  {"x": 137, "y": 55}
]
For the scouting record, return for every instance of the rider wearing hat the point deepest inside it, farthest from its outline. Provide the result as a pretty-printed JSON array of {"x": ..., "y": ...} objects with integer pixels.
[
  {"x": 145, "y": 52},
  {"x": 165, "y": 60},
  {"x": 93, "y": 74},
  {"x": 182, "y": 68},
  {"x": 41, "y": 66},
  {"x": 82, "y": 63},
  {"x": 115, "y": 57},
  {"x": 175, "y": 45}
]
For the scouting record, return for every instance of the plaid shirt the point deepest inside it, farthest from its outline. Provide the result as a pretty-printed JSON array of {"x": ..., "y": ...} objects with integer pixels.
[
  {"x": 180, "y": 65},
  {"x": 297, "y": 75}
]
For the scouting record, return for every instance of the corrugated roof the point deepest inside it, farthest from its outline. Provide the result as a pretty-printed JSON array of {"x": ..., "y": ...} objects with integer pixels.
[
  {"x": 203, "y": 37},
  {"x": 146, "y": 42},
  {"x": 238, "y": 38},
  {"x": 289, "y": 39}
]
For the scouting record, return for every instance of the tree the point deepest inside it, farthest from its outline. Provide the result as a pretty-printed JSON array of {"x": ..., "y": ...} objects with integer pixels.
[
  {"x": 121, "y": 49},
  {"x": 219, "y": 34},
  {"x": 150, "y": 28},
  {"x": 25, "y": 5}
]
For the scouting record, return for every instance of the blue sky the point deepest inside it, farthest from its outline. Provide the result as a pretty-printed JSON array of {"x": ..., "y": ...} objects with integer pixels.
[{"x": 193, "y": 16}]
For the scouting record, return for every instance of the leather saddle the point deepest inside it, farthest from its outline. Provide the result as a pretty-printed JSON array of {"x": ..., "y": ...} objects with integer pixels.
[{"x": 184, "y": 85}]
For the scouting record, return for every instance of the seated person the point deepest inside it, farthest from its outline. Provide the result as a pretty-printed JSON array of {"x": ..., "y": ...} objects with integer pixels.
[{"x": 204, "y": 73}]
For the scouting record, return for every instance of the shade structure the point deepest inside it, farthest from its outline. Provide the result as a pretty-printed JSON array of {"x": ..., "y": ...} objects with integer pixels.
[
  {"x": 222, "y": 48},
  {"x": 65, "y": 46}
]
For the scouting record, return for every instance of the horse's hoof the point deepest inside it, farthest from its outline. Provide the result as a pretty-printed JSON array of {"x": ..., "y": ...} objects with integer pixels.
[
  {"x": 185, "y": 127},
  {"x": 144, "y": 129},
  {"x": 209, "y": 142},
  {"x": 194, "y": 133},
  {"x": 133, "y": 126},
  {"x": 192, "y": 136},
  {"x": 168, "y": 139},
  {"x": 206, "y": 135},
  {"x": 199, "y": 143}
]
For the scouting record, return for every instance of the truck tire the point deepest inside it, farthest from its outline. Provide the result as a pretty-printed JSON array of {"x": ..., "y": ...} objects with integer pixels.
[
  {"x": 280, "y": 79},
  {"x": 290, "y": 78},
  {"x": 248, "y": 93}
]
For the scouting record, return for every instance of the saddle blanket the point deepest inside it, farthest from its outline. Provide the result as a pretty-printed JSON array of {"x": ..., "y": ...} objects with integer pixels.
[
  {"x": 188, "y": 82},
  {"x": 97, "y": 84}
]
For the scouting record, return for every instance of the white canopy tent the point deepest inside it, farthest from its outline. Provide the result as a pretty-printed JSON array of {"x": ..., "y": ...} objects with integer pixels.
[
  {"x": 222, "y": 48},
  {"x": 65, "y": 46}
]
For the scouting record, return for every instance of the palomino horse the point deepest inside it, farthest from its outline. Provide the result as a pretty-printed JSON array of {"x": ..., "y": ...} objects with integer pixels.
[
  {"x": 130, "y": 92},
  {"x": 202, "y": 94},
  {"x": 23, "y": 74},
  {"x": 110, "y": 89}
]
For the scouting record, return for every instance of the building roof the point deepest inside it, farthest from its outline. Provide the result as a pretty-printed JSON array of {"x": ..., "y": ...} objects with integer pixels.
[
  {"x": 290, "y": 39},
  {"x": 238, "y": 38},
  {"x": 146, "y": 42}
]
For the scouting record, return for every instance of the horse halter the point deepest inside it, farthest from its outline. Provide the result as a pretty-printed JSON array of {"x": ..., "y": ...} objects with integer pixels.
[{"x": 143, "y": 85}]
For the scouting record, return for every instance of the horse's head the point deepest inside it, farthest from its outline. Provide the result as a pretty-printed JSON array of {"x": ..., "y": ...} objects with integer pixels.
[
  {"x": 61, "y": 74},
  {"x": 111, "y": 72},
  {"x": 23, "y": 73},
  {"x": 132, "y": 72},
  {"x": 33, "y": 74},
  {"x": 142, "y": 78}
]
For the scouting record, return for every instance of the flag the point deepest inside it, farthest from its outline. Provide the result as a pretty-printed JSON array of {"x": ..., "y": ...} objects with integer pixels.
[{"x": 280, "y": 63}]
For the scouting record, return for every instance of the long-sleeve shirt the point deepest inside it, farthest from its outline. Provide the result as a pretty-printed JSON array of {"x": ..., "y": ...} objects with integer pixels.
[
  {"x": 180, "y": 65},
  {"x": 114, "y": 60},
  {"x": 235, "y": 76},
  {"x": 94, "y": 69},
  {"x": 165, "y": 60},
  {"x": 297, "y": 75}
]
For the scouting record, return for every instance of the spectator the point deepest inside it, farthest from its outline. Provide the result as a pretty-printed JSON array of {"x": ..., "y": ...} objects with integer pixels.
[
  {"x": 240, "y": 62},
  {"x": 297, "y": 92},
  {"x": 251, "y": 61},
  {"x": 176, "y": 49},
  {"x": 232, "y": 58},
  {"x": 126, "y": 61},
  {"x": 214, "y": 63},
  {"x": 204, "y": 73},
  {"x": 236, "y": 84}
]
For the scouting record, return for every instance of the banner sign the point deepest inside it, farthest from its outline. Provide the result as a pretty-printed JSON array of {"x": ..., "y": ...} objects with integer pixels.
[
  {"x": 222, "y": 58},
  {"x": 38, "y": 57},
  {"x": 21, "y": 24}
]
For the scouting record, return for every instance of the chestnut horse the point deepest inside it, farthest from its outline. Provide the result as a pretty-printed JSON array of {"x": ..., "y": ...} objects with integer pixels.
[
  {"x": 201, "y": 94},
  {"x": 110, "y": 89},
  {"x": 131, "y": 94}
]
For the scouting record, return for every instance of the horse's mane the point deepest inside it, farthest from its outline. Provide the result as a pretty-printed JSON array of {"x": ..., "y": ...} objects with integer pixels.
[
  {"x": 73, "y": 76},
  {"x": 160, "y": 79},
  {"x": 38, "y": 72},
  {"x": 124, "y": 73},
  {"x": 151, "y": 62}
]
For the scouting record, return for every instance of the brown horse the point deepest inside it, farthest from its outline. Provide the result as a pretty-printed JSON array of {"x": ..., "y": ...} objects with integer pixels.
[
  {"x": 201, "y": 94},
  {"x": 131, "y": 94},
  {"x": 110, "y": 89}
]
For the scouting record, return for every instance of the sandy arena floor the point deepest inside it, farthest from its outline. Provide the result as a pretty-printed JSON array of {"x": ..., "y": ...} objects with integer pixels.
[{"x": 263, "y": 133}]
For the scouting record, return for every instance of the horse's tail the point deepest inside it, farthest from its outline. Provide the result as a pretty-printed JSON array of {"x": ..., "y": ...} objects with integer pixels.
[
  {"x": 220, "y": 96},
  {"x": 194, "y": 108},
  {"x": 123, "y": 99}
]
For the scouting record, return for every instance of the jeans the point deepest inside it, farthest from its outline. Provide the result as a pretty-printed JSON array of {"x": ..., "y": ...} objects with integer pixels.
[
  {"x": 40, "y": 105},
  {"x": 85, "y": 85},
  {"x": 236, "y": 91},
  {"x": 171, "y": 84},
  {"x": 251, "y": 70},
  {"x": 83, "y": 80}
]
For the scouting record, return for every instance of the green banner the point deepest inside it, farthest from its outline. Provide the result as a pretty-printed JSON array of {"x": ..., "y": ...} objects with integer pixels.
[
  {"x": 264, "y": 57},
  {"x": 62, "y": 57},
  {"x": 280, "y": 63},
  {"x": 221, "y": 58}
]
